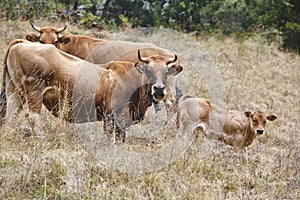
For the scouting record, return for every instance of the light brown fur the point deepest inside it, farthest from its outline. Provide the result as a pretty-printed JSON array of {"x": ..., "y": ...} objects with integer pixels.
[
  {"x": 48, "y": 35},
  {"x": 41, "y": 74},
  {"x": 233, "y": 127},
  {"x": 100, "y": 51}
]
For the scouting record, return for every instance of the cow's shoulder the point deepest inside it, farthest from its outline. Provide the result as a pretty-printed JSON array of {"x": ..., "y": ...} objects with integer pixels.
[{"x": 120, "y": 67}]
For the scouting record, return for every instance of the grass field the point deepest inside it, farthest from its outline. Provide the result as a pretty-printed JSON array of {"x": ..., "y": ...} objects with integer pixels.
[{"x": 248, "y": 74}]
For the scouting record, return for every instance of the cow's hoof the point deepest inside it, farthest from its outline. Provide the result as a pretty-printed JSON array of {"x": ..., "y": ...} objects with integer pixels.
[{"x": 120, "y": 137}]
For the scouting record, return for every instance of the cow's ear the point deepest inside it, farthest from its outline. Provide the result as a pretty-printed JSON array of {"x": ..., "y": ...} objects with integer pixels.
[
  {"x": 247, "y": 113},
  {"x": 174, "y": 70},
  {"x": 271, "y": 117},
  {"x": 64, "y": 39},
  {"x": 138, "y": 67},
  {"x": 32, "y": 37}
]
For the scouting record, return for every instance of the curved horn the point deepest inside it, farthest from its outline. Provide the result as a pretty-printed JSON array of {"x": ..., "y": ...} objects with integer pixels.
[
  {"x": 143, "y": 59},
  {"x": 172, "y": 60},
  {"x": 35, "y": 27},
  {"x": 59, "y": 30}
]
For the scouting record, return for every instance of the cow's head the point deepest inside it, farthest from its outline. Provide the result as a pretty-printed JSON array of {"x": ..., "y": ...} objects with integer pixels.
[
  {"x": 258, "y": 120},
  {"x": 48, "y": 35},
  {"x": 157, "y": 68}
]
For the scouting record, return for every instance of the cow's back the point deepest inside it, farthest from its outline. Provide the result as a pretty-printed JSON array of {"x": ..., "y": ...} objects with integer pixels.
[
  {"x": 45, "y": 59},
  {"x": 235, "y": 122},
  {"x": 124, "y": 51}
]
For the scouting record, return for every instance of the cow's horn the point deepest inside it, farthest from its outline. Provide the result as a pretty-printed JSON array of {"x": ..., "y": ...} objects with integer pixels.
[
  {"x": 59, "y": 30},
  {"x": 172, "y": 60},
  {"x": 35, "y": 27},
  {"x": 143, "y": 59}
]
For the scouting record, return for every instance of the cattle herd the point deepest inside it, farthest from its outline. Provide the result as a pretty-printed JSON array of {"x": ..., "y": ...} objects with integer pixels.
[{"x": 120, "y": 81}]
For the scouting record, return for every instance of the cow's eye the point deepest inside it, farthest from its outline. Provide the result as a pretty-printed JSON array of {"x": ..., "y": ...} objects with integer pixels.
[
  {"x": 41, "y": 41},
  {"x": 254, "y": 120}
]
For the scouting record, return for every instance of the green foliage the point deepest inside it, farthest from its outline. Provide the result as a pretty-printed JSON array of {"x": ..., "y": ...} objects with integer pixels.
[
  {"x": 272, "y": 18},
  {"x": 26, "y": 9}
]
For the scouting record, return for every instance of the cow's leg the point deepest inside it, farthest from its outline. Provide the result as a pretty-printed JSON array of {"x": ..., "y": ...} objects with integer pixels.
[
  {"x": 201, "y": 128},
  {"x": 242, "y": 153},
  {"x": 213, "y": 135},
  {"x": 109, "y": 128},
  {"x": 108, "y": 125},
  {"x": 119, "y": 132},
  {"x": 238, "y": 144},
  {"x": 34, "y": 97},
  {"x": 122, "y": 120},
  {"x": 34, "y": 116},
  {"x": 120, "y": 135},
  {"x": 14, "y": 106},
  {"x": 15, "y": 102},
  {"x": 170, "y": 108}
]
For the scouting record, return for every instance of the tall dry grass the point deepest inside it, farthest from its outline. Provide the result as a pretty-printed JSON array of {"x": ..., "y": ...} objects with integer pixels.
[{"x": 254, "y": 75}]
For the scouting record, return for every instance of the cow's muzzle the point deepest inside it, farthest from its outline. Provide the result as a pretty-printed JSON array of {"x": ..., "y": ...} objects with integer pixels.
[{"x": 158, "y": 92}]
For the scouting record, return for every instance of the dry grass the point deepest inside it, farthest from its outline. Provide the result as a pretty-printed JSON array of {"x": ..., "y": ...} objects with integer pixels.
[{"x": 253, "y": 75}]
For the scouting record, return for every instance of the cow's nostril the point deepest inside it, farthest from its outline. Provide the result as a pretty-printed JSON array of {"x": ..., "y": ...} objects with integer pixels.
[{"x": 260, "y": 131}]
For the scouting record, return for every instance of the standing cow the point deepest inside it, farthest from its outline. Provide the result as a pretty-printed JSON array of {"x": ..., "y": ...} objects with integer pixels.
[
  {"x": 42, "y": 74},
  {"x": 236, "y": 128},
  {"x": 99, "y": 51},
  {"x": 48, "y": 35}
]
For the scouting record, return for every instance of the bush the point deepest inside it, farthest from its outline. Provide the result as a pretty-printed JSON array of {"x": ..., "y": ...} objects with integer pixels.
[{"x": 242, "y": 17}]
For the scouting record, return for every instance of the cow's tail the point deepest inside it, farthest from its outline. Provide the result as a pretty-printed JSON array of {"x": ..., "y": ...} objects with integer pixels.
[{"x": 3, "y": 100}]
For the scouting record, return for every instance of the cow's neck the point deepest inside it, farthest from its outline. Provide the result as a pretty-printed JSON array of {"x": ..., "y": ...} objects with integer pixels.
[{"x": 249, "y": 135}]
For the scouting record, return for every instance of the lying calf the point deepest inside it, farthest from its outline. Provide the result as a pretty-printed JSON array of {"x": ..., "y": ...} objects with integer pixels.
[{"x": 233, "y": 127}]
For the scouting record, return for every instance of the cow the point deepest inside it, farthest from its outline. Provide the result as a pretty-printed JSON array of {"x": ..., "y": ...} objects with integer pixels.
[
  {"x": 43, "y": 75},
  {"x": 99, "y": 51},
  {"x": 236, "y": 128},
  {"x": 48, "y": 35},
  {"x": 95, "y": 50}
]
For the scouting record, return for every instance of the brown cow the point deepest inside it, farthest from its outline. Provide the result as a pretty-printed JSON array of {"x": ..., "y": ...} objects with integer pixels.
[
  {"x": 233, "y": 127},
  {"x": 48, "y": 35},
  {"x": 42, "y": 74},
  {"x": 97, "y": 51},
  {"x": 100, "y": 51}
]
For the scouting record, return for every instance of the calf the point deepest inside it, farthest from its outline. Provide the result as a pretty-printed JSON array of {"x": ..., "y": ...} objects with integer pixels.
[{"x": 233, "y": 127}]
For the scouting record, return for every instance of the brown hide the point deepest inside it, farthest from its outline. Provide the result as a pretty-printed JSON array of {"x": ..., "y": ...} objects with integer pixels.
[
  {"x": 42, "y": 74},
  {"x": 100, "y": 51},
  {"x": 233, "y": 127},
  {"x": 48, "y": 35},
  {"x": 95, "y": 50}
]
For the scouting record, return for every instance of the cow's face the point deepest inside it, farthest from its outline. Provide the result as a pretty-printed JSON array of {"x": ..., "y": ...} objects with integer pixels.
[
  {"x": 48, "y": 35},
  {"x": 258, "y": 121},
  {"x": 157, "y": 68}
]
